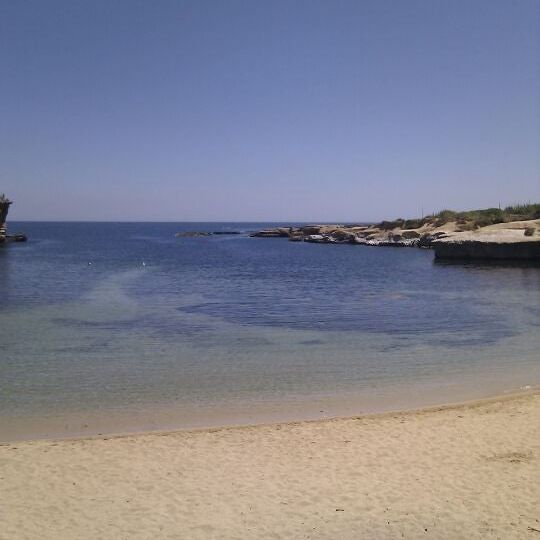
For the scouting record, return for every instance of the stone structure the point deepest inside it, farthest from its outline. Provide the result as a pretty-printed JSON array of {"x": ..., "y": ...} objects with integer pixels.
[
  {"x": 474, "y": 249},
  {"x": 4, "y": 208}
]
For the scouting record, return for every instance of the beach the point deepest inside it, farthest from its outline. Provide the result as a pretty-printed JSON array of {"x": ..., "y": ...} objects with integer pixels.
[{"x": 460, "y": 471}]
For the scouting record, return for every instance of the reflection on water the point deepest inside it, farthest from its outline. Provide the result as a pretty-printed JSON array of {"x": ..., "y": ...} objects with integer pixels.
[
  {"x": 6, "y": 285},
  {"x": 208, "y": 323}
]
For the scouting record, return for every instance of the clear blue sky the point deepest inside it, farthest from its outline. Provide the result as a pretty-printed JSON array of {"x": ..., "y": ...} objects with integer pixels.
[{"x": 267, "y": 110}]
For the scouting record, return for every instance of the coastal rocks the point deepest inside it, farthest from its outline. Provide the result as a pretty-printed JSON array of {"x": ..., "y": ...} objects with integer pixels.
[
  {"x": 326, "y": 234},
  {"x": 4, "y": 209},
  {"x": 410, "y": 235},
  {"x": 278, "y": 232},
  {"x": 323, "y": 239},
  {"x": 495, "y": 243},
  {"x": 195, "y": 234},
  {"x": 426, "y": 240},
  {"x": 16, "y": 238},
  {"x": 336, "y": 237},
  {"x": 342, "y": 235},
  {"x": 310, "y": 230},
  {"x": 317, "y": 238},
  {"x": 4, "y": 239},
  {"x": 5, "y": 203},
  {"x": 519, "y": 240},
  {"x": 512, "y": 240},
  {"x": 392, "y": 242},
  {"x": 191, "y": 234},
  {"x": 391, "y": 239}
]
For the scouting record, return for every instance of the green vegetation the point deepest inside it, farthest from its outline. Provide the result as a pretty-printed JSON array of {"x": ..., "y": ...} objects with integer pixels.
[
  {"x": 469, "y": 220},
  {"x": 532, "y": 211},
  {"x": 389, "y": 225},
  {"x": 413, "y": 223}
]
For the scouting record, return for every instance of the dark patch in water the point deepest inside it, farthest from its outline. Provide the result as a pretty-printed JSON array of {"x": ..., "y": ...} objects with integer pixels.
[
  {"x": 104, "y": 325},
  {"x": 483, "y": 339},
  {"x": 85, "y": 349}
]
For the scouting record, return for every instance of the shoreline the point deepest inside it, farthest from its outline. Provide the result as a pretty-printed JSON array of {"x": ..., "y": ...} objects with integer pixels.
[
  {"x": 426, "y": 409},
  {"x": 451, "y": 471},
  {"x": 451, "y": 237}
]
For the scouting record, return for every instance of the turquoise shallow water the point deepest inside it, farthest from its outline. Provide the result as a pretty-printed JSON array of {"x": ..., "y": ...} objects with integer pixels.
[{"x": 113, "y": 327}]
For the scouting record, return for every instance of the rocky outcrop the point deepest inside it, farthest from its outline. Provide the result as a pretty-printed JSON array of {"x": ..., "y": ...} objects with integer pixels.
[
  {"x": 477, "y": 249},
  {"x": 278, "y": 232},
  {"x": 498, "y": 241},
  {"x": 426, "y": 240},
  {"x": 194, "y": 234},
  {"x": 296, "y": 237},
  {"x": 362, "y": 235},
  {"x": 5, "y": 238},
  {"x": 410, "y": 235},
  {"x": 494, "y": 243},
  {"x": 311, "y": 229},
  {"x": 16, "y": 238},
  {"x": 4, "y": 209},
  {"x": 191, "y": 234}
]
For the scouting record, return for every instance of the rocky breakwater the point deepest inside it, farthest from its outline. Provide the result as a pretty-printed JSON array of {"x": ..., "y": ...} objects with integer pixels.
[{"x": 519, "y": 240}]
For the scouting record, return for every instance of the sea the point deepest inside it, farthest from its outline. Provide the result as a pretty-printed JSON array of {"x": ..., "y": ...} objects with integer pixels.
[{"x": 124, "y": 327}]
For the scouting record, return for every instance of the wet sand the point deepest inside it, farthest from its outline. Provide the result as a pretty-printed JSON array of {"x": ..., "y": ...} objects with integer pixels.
[{"x": 464, "y": 471}]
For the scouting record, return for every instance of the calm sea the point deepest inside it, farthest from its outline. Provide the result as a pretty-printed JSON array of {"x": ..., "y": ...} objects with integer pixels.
[{"x": 111, "y": 327}]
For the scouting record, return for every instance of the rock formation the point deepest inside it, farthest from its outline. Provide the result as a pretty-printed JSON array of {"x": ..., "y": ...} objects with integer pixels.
[
  {"x": 504, "y": 241},
  {"x": 513, "y": 240},
  {"x": 4, "y": 209}
]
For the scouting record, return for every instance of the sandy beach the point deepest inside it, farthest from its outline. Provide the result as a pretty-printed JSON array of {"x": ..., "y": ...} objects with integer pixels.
[{"x": 464, "y": 471}]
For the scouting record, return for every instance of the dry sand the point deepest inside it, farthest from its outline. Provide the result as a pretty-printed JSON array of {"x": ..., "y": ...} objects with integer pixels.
[{"x": 469, "y": 471}]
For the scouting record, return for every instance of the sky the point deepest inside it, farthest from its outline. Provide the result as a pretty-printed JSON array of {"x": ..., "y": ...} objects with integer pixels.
[{"x": 267, "y": 110}]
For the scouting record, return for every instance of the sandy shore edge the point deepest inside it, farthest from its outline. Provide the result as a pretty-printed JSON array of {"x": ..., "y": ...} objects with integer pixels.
[
  {"x": 466, "y": 470},
  {"x": 463, "y": 404}
]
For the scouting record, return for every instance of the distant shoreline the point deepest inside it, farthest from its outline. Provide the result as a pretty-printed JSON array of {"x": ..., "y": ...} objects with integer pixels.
[{"x": 451, "y": 237}]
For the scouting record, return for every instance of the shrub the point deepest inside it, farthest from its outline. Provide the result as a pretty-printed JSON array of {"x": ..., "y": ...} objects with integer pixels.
[
  {"x": 389, "y": 225},
  {"x": 469, "y": 220},
  {"x": 445, "y": 216},
  {"x": 414, "y": 223}
]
